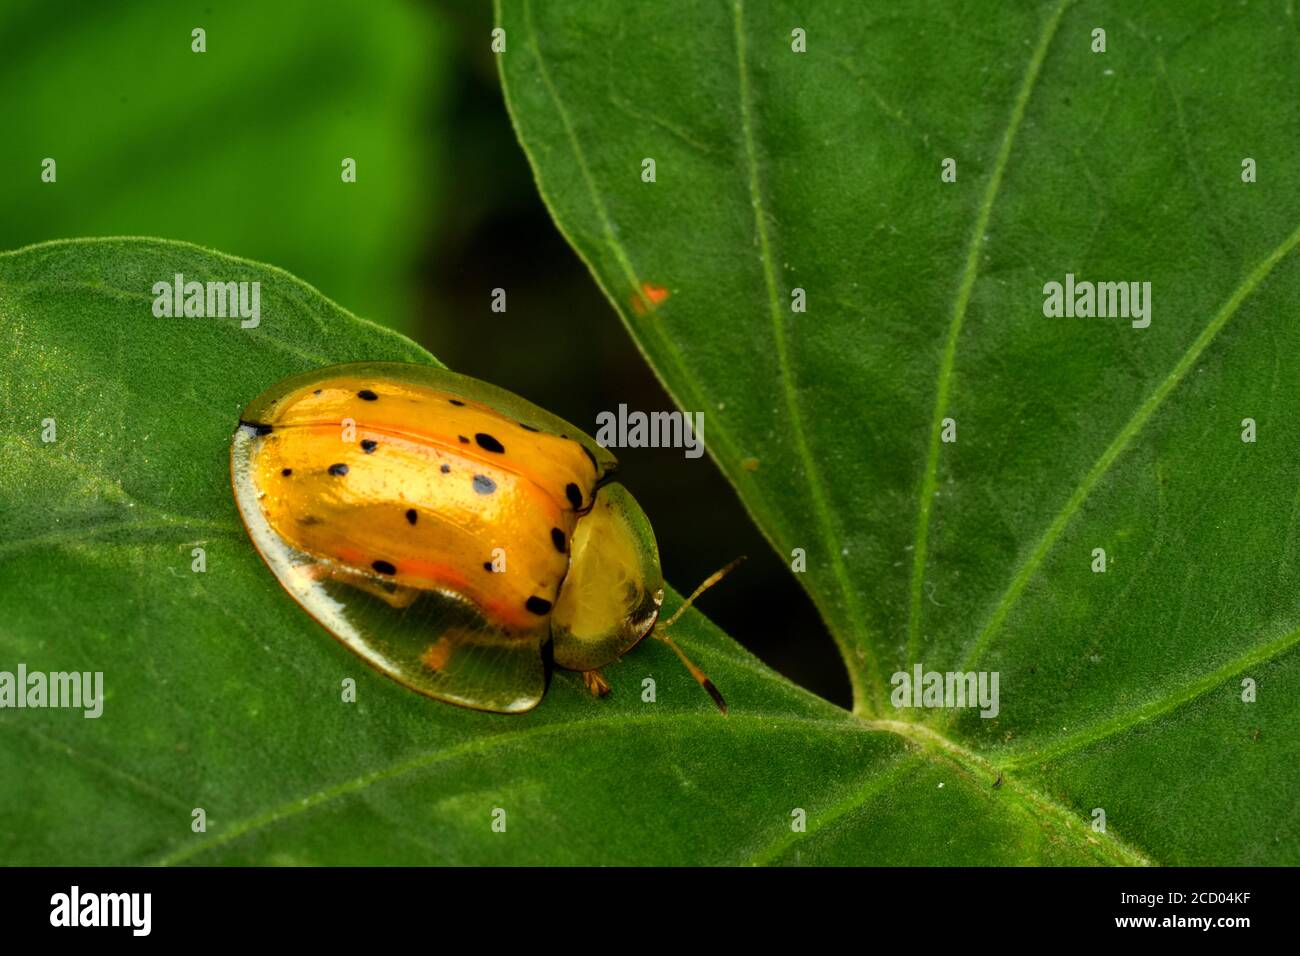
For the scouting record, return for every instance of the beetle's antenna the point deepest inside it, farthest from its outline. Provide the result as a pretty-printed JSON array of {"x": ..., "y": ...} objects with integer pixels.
[
  {"x": 711, "y": 580},
  {"x": 698, "y": 674}
]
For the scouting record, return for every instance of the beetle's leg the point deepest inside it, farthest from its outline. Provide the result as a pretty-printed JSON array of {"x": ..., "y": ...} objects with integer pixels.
[
  {"x": 437, "y": 654},
  {"x": 595, "y": 682},
  {"x": 392, "y": 594},
  {"x": 395, "y": 595}
]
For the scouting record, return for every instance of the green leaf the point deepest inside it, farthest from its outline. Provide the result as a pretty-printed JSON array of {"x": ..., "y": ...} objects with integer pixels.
[
  {"x": 239, "y": 147},
  {"x": 819, "y": 171},
  {"x": 221, "y": 694}
]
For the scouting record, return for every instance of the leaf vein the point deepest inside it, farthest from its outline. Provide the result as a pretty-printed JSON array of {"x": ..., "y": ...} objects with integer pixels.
[
  {"x": 874, "y": 785},
  {"x": 816, "y": 486},
  {"x": 1121, "y": 443},
  {"x": 709, "y": 720},
  {"x": 929, "y": 478},
  {"x": 1112, "y": 849},
  {"x": 1106, "y": 729},
  {"x": 682, "y": 384}
]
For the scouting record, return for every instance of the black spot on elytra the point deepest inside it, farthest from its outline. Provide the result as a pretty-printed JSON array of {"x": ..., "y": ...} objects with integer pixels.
[
  {"x": 367, "y": 445},
  {"x": 366, "y": 395},
  {"x": 457, "y": 402},
  {"x": 411, "y": 516},
  {"x": 528, "y": 428},
  {"x": 488, "y": 443},
  {"x": 557, "y": 539},
  {"x": 286, "y": 472},
  {"x": 574, "y": 494},
  {"x": 487, "y": 565},
  {"x": 317, "y": 392},
  {"x": 338, "y": 469},
  {"x": 383, "y": 567},
  {"x": 445, "y": 469},
  {"x": 463, "y": 439},
  {"x": 484, "y": 485},
  {"x": 538, "y": 605}
]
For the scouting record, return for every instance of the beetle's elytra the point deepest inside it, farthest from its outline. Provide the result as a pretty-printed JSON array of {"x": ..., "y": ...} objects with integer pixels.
[{"x": 444, "y": 530}]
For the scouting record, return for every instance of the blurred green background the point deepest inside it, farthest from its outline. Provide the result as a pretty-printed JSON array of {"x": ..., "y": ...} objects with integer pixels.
[{"x": 240, "y": 148}]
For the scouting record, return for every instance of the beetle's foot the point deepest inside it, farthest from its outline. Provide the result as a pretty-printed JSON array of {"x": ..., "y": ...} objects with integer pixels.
[{"x": 596, "y": 683}]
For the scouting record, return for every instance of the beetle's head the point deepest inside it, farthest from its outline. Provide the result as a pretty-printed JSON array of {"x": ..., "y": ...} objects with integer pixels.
[
  {"x": 614, "y": 588},
  {"x": 612, "y": 591}
]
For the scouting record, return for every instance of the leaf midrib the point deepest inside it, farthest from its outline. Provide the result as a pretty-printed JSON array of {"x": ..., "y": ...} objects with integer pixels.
[
  {"x": 855, "y": 619},
  {"x": 723, "y": 448},
  {"x": 930, "y": 473}
]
